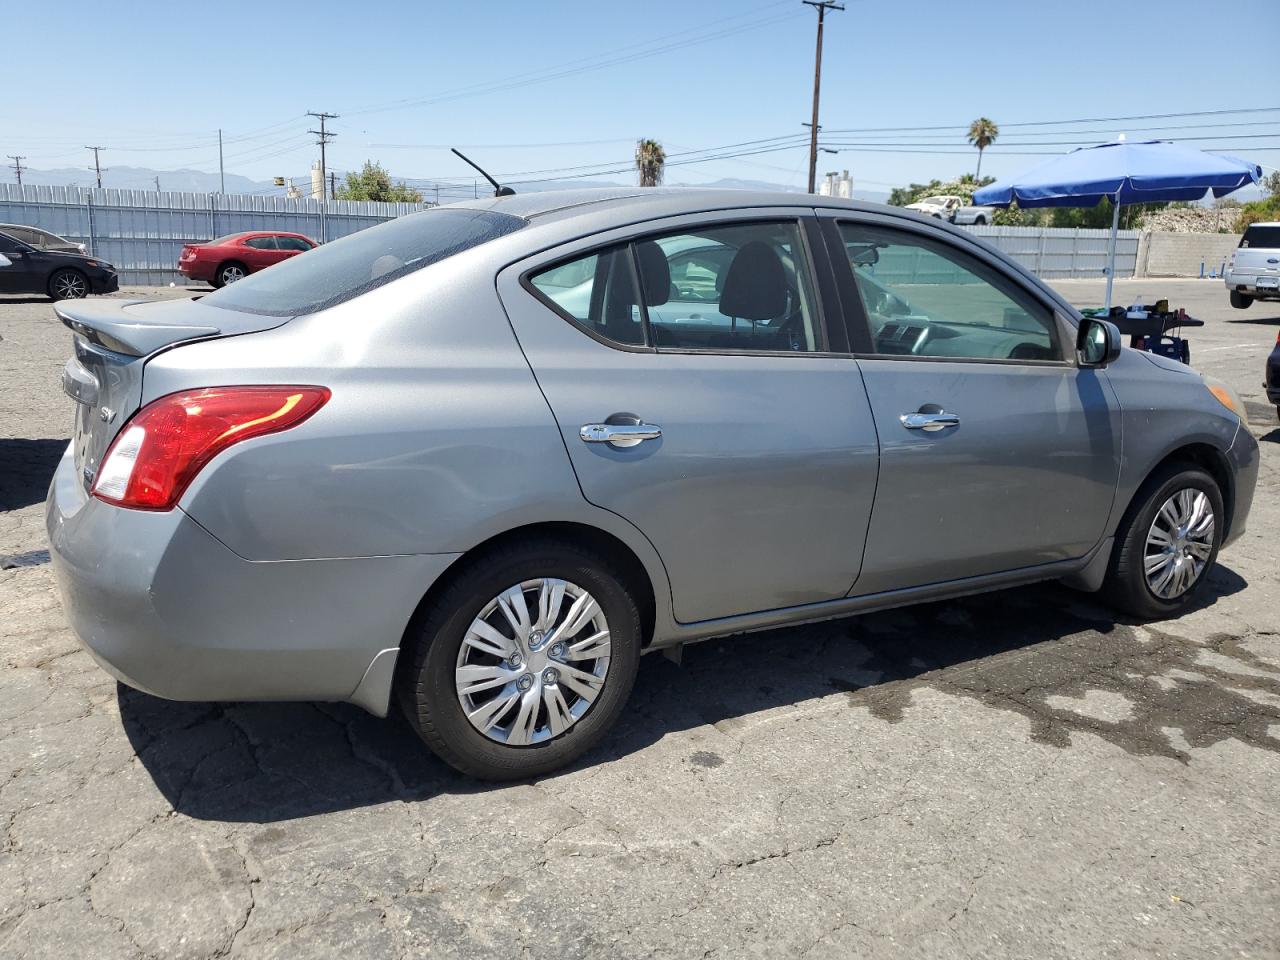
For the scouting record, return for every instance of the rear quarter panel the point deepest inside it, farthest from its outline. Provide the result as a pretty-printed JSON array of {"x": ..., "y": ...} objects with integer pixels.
[{"x": 436, "y": 437}]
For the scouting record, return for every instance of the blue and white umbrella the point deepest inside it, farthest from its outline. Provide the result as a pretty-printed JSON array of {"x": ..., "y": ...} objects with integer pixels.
[{"x": 1124, "y": 172}]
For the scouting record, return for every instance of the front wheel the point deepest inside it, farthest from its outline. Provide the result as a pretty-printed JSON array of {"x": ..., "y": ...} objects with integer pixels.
[
  {"x": 68, "y": 285},
  {"x": 524, "y": 662},
  {"x": 1167, "y": 543},
  {"x": 1239, "y": 300}
]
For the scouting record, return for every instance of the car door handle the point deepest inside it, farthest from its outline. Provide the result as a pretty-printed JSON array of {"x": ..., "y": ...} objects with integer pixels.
[
  {"x": 931, "y": 422},
  {"x": 619, "y": 434}
]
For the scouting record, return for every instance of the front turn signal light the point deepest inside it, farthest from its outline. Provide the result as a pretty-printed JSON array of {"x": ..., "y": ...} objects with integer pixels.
[{"x": 1226, "y": 396}]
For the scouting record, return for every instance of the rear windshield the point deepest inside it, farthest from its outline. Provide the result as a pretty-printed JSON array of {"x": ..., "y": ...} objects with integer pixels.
[
  {"x": 1256, "y": 236},
  {"x": 339, "y": 271}
]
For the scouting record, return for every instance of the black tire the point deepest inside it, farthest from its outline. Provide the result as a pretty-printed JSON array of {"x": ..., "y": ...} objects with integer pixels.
[
  {"x": 68, "y": 284},
  {"x": 229, "y": 272},
  {"x": 425, "y": 680},
  {"x": 979, "y": 221},
  {"x": 1239, "y": 300},
  {"x": 1126, "y": 584}
]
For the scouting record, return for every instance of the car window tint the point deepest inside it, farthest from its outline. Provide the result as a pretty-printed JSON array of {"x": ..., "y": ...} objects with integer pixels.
[
  {"x": 345, "y": 268},
  {"x": 924, "y": 298},
  {"x": 1256, "y": 236},
  {"x": 261, "y": 243},
  {"x": 292, "y": 243},
  {"x": 9, "y": 245},
  {"x": 740, "y": 286},
  {"x": 597, "y": 292}
]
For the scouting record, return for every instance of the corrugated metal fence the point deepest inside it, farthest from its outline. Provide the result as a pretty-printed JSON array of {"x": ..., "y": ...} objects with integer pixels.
[
  {"x": 142, "y": 232},
  {"x": 1057, "y": 253}
]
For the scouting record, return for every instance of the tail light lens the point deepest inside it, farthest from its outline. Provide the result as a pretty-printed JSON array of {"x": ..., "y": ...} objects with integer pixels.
[{"x": 164, "y": 445}]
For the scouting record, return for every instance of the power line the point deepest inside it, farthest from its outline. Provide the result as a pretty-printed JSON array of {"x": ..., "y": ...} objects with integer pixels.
[
  {"x": 324, "y": 138},
  {"x": 97, "y": 168},
  {"x": 822, "y": 6},
  {"x": 597, "y": 62}
]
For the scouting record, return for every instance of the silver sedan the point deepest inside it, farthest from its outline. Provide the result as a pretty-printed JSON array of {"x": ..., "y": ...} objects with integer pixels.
[{"x": 479, "y": 459}]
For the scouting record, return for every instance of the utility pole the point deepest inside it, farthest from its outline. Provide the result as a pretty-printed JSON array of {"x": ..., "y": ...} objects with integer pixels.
[
  {"x": 17, "y": 166},
  {"x": 157, "y": 179},
  {"x": 333, "y": 186},
  {"x": 822, "y": 6},
  {"x": 97, "y": 168},
  {"x": 222, "y": 176},
  {"x": 325, "y": 136}
]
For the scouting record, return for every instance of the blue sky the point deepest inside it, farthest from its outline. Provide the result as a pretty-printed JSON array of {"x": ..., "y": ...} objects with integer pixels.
[{"x": 154, "y": 84}]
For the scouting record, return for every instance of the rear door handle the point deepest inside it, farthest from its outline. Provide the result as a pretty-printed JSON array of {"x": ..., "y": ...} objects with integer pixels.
[
  {"x": 619, "y": 434},
  {"x": 932, "y": 422}
]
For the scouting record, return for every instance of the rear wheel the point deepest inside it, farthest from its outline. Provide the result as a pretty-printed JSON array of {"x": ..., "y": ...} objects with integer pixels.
[
  {"x": 980, "y": 221},
  {"x": 68, "y": 284},
  {"x": 229, "y": 273},
  {"x": 1167, "y": 543},
  {"x": 1240, "y": 300},
  {"x": 524, "y": 662}
]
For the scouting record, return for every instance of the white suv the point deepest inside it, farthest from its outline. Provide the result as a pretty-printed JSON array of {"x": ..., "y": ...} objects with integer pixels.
[{"x": 1253, "y": 272}]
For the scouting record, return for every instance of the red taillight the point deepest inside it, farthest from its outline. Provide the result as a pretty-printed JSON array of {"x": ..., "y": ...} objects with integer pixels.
[{"x": 164, "y": 445}]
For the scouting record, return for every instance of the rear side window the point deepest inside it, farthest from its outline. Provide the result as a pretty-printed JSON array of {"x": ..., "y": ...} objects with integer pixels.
[
  {"x": 344, "y": 269},
  {"x": 725, "y": 288},
  {"x": 1256, "y": 236},
  {"x": 261, "y": 243},
  {"x": 598, "y": 292},
  {"x": 292, "y": 243}
]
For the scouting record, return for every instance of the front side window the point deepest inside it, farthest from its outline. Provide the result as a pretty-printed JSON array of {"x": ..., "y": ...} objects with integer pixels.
[
  {"x": 723, "y": 288},
  {"x": 925, "y": 299}
]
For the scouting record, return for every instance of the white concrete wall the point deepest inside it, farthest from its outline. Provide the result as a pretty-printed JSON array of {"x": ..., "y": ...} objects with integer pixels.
[{"x": 1181, "y": 254}]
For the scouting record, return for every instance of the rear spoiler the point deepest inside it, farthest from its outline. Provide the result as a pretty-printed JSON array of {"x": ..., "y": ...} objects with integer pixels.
[{"x": 105, "y": 323}]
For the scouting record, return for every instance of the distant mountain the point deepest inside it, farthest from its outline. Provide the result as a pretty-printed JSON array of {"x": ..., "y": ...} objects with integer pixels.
[{"x": 198, "y": 181}]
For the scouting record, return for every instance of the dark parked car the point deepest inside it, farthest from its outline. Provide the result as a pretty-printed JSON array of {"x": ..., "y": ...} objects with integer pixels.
[
  {"x": 237, "y": 255},
  {"x": 62, "y": 276},
  {"x": 42, "y": 239}
]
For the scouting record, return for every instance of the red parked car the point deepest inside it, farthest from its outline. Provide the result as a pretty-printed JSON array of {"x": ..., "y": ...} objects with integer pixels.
[{"x": 237, "y": 255}]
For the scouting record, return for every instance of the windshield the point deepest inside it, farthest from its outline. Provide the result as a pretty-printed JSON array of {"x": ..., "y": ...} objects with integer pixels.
[
  {"x": 1257, "y": 236},
  {"x": 346, "y": 268}
]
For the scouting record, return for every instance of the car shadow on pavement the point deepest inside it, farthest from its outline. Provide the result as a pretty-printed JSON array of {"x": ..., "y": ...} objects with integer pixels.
[
  {"x": 26, "y": 467},
  {"x": 1011, "y": 650},
  {"x": 1262, "y": 321},
  {"x": 11, "y": 300}
]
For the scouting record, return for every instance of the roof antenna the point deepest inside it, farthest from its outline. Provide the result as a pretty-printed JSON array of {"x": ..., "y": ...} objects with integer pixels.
[{"x": 498, "y": 189}]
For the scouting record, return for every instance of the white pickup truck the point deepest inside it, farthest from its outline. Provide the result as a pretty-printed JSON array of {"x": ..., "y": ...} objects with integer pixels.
[{"x": 953, "y": 210}]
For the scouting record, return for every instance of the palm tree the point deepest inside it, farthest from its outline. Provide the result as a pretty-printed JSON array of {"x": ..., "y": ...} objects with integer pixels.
[
  {"x": 650, "y": 158},
  {"x": 982, "y": 134}
]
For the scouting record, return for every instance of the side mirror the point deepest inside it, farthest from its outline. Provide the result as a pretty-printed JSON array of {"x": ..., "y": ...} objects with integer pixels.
[{"x": 1097, "y": 342}]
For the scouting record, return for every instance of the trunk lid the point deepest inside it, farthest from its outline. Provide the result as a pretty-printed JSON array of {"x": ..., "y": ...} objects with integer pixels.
[{"x": 112, "y": 343}]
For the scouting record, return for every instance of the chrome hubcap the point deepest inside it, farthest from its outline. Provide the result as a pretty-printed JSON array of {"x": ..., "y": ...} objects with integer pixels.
[
  {"x": 232, "y": 274},
  {"x": 1179, "y": 543},
  {"x": 533, "y": 661}
]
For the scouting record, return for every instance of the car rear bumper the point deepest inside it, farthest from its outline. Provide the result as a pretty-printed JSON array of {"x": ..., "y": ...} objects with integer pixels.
[
  {"x": 166, "y": 608},
  {"x": 195, "y": 270},
  {"x": 1247, "y": 284}
]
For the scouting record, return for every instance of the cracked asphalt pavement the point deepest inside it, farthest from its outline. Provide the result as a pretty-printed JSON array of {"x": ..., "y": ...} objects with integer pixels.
[{"x": 1011, "y": 775}]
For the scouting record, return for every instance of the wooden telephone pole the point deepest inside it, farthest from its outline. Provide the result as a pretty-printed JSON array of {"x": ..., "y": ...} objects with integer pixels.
[
  {"x": 97, "y": 167},
  {"x": 324, "y": 137},
  {"x": 822, "y": 7}
]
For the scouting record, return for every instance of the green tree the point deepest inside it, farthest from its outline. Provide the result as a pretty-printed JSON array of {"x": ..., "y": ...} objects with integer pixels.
[
  {"x": 374, "y": 183},
  {"x": 982, "y": 134},
  {"x": 650, "y": 160}
]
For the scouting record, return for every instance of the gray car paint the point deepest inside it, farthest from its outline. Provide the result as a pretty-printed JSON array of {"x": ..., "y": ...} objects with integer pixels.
[{"x": 316, "y": 545}]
